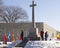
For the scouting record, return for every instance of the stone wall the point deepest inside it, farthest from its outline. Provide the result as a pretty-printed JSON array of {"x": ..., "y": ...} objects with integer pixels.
[
  {"x": 50, "y": 30},
  {"x": 17, "y": 27}
]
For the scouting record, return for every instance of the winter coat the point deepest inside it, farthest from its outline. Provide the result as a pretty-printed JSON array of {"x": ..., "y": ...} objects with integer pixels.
[
  {"x": 41, "y": 33},
  {"x": 46, "y": 35}
]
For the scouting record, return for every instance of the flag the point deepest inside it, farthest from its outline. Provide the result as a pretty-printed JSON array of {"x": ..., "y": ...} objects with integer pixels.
[
  {"x": 52, "y": 35},
  {"x": 21, "y": 36},
  {"x": 17, "y": 37},
  {"x": 5, "y": 38},
  {"x": 13, "y": 39},
  {"x": 9, "y": 37},
  {"x": 21, "y": 39},
  {"x": 58, "y": 36}
]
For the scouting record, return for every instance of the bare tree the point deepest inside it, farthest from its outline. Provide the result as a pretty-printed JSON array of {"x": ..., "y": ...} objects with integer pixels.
[
  {"x": 1, "y": 2},
  {"x": 12, "y": 14}
]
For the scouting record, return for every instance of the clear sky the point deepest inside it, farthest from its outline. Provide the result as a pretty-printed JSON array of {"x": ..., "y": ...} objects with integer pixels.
[{"x": 47, "y": 11}]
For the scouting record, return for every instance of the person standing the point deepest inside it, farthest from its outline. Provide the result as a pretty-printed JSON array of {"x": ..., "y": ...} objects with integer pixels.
[
  {"x": 42, "y": 35},
  {"x": 46, "y": 35}
]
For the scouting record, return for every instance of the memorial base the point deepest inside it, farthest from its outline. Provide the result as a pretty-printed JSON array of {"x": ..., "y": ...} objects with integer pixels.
[{"x": 33, "y": 34}]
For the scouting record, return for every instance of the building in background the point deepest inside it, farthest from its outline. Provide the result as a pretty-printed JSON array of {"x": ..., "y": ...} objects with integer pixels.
[{"x": 25, "y": 26}]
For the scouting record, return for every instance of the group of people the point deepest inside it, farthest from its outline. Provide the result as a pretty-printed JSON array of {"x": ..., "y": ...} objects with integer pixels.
[
  {"x": 11, "y": 37},
  {"x": 43, "y": 35}
]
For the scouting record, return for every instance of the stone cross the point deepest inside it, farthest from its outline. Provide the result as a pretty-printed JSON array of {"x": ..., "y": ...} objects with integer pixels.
[{"x": 33, "y": 19}]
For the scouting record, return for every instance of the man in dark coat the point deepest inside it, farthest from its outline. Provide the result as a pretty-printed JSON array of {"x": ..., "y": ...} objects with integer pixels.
[
  {"x": 42, "y": 35},
  {"x": 46, "y": 35}
]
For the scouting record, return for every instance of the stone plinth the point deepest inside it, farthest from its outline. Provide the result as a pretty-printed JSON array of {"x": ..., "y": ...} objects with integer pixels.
[{"x": 33, "y": 34}]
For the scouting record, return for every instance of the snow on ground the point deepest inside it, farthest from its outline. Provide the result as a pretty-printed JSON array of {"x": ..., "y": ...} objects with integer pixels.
[
  {"x": 10, "y": 44},
  {"x": 43, "y": 44},
  {"x": 38, "y": 44}
]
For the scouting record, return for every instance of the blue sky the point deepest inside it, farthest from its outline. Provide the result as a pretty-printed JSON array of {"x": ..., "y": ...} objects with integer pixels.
[{"x": 47, "y": 11}]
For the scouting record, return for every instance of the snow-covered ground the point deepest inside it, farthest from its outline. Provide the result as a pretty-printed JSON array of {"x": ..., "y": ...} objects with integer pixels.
[
  {"x": 55, "y": 43},
  {"x": 10, "y": 44},
  {"x": 43, "y": 44}
]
